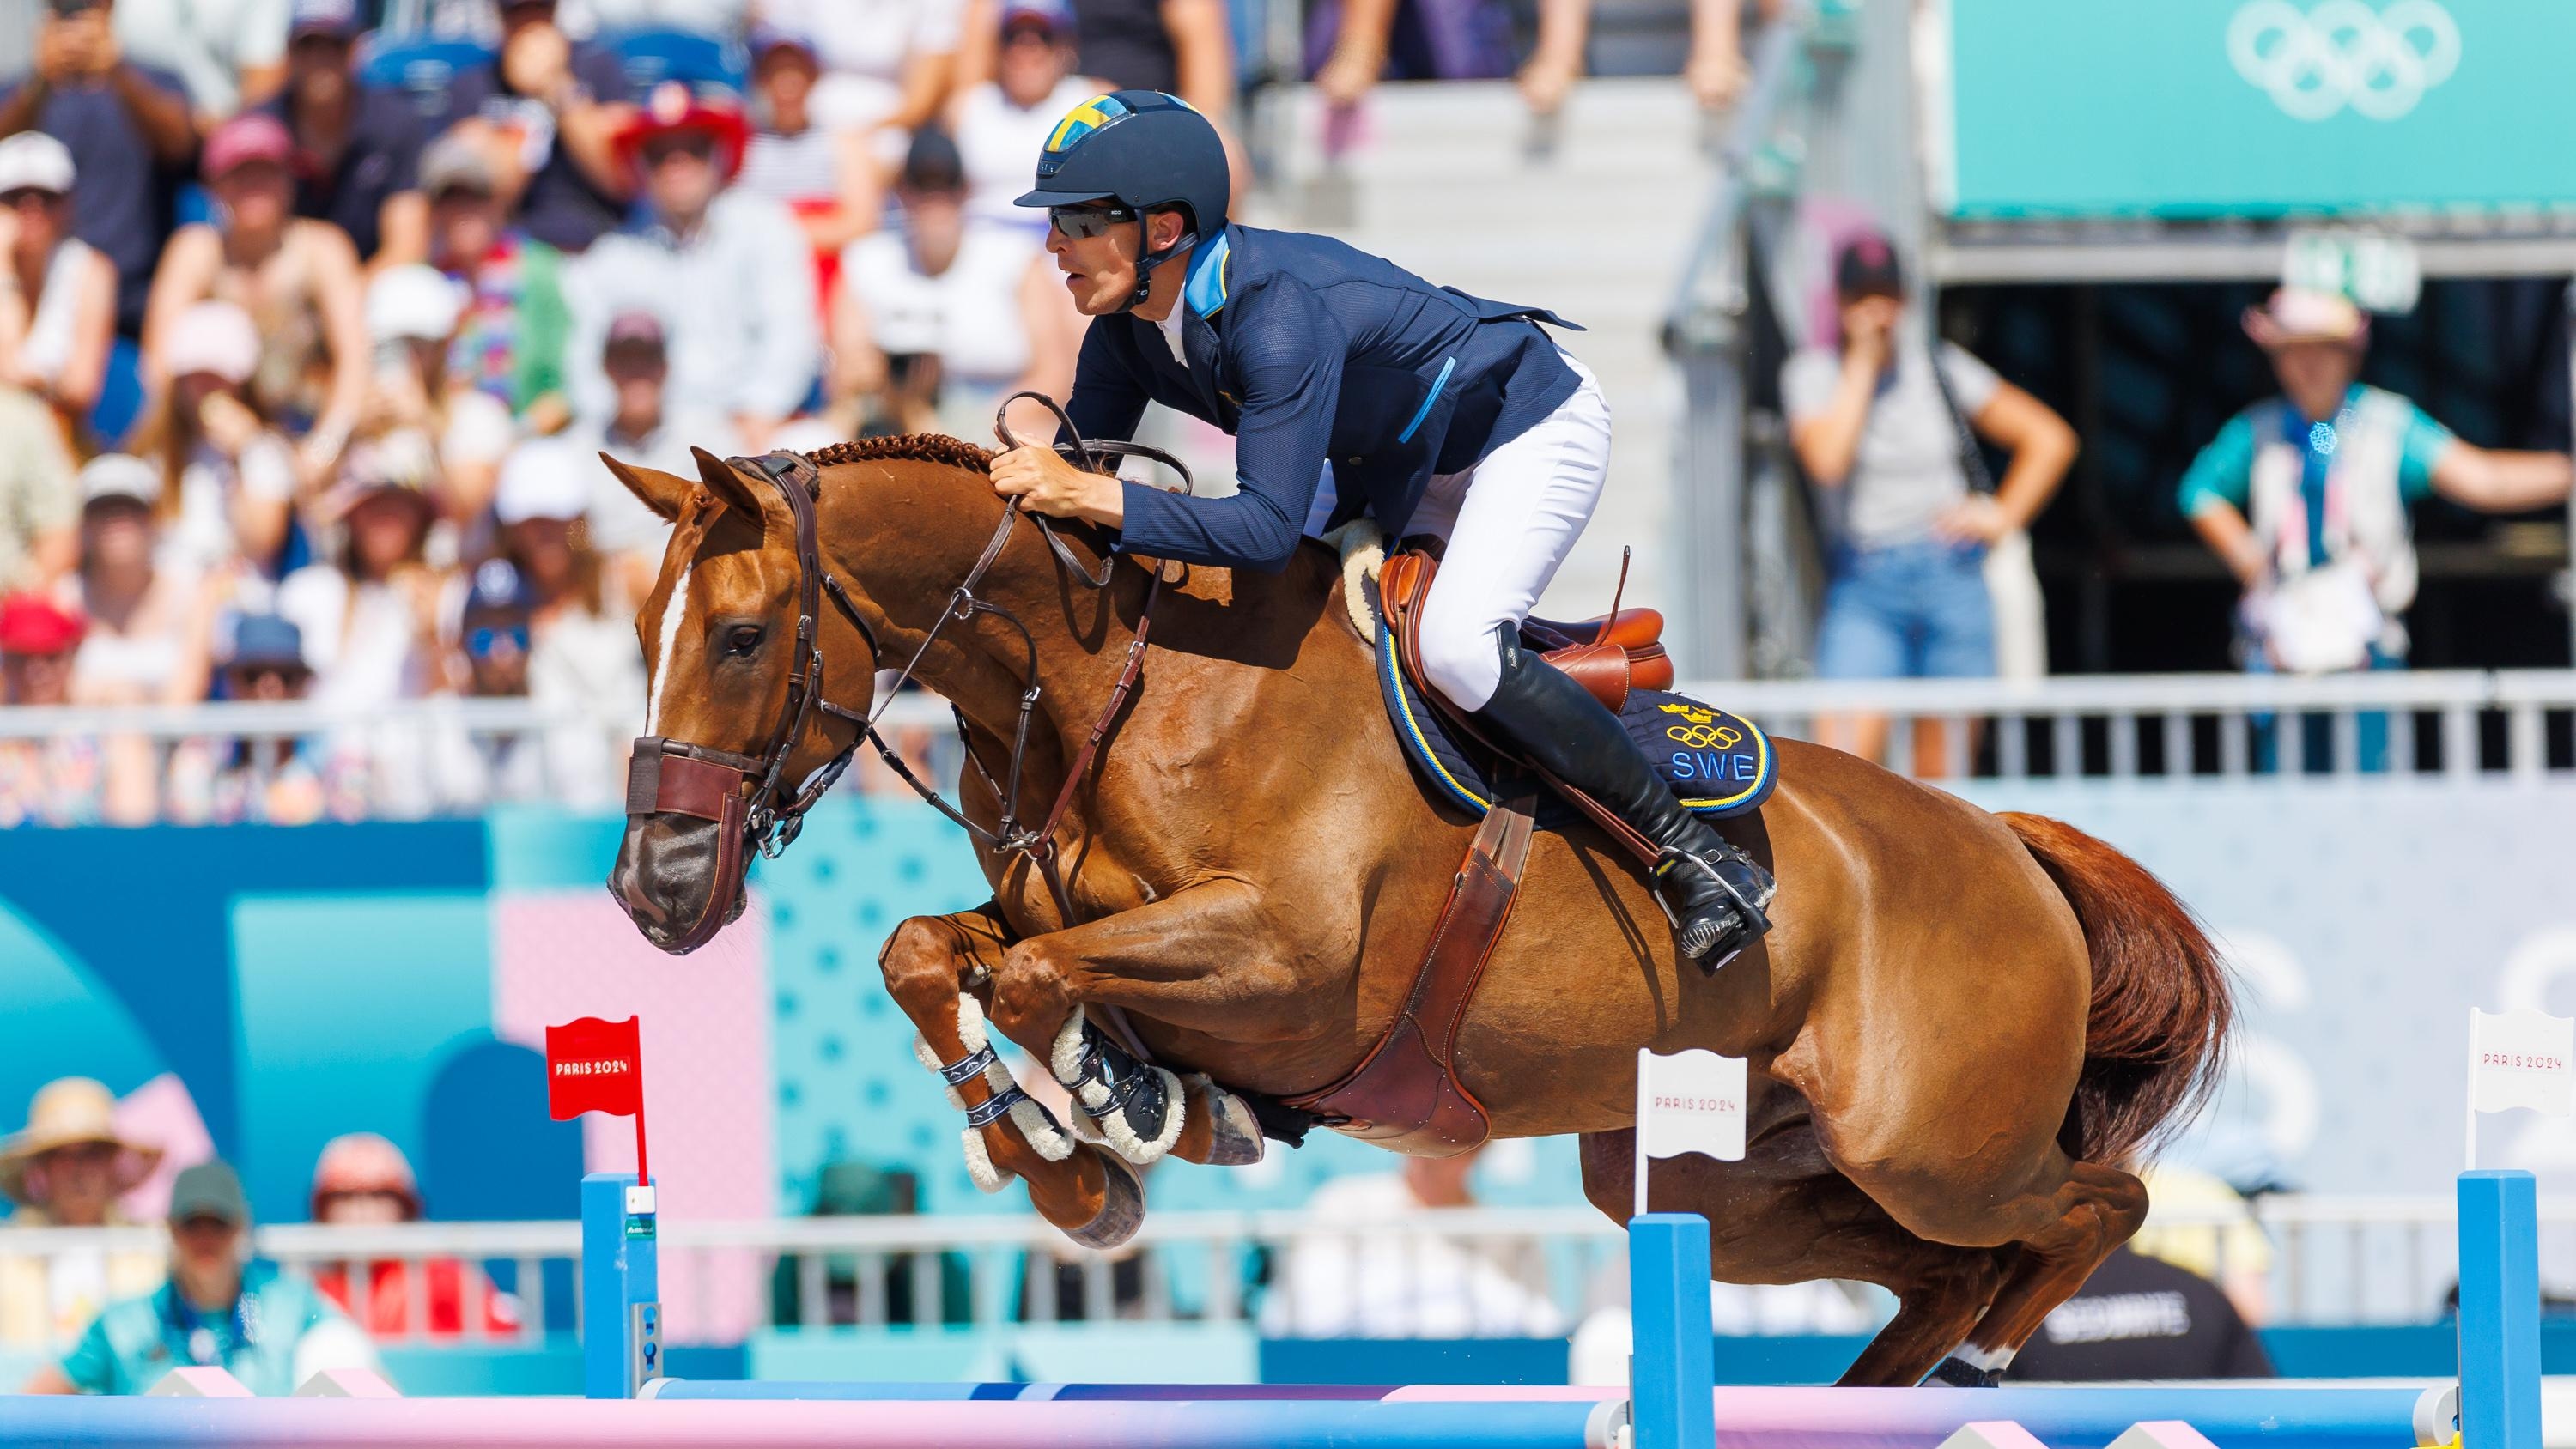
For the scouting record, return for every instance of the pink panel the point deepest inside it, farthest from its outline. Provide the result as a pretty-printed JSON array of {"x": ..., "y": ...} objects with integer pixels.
[
  {"x": 161, "y": 1111},
  {"x": 708, "y": 1077}
]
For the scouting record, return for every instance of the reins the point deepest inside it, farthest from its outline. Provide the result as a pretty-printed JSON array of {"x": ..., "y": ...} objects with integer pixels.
[
  {"x": 675, "y": 777},
  {"x": 1009, "y": 836}
]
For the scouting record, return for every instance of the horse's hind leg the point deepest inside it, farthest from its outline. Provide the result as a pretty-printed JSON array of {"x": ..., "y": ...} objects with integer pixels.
[
  {"x": 2100, "y": 1207},
  {"x": 1784, "y": 1215},
  {"x": 930, "y": 963}
]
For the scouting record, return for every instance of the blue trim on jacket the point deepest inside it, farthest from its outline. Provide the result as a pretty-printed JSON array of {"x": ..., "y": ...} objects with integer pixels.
[{"x": 1311, "y": 353}]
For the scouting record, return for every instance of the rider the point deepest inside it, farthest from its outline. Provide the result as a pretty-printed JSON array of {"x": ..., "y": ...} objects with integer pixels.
[{"x": 1438, "y": 413}]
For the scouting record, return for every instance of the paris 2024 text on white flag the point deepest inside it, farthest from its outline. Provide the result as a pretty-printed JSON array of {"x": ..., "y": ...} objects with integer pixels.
[
  {"x": 2520, "y": 1059},
  {"x": 1691, "y": 1101}
]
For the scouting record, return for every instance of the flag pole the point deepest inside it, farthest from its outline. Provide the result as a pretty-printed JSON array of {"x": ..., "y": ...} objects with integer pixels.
[
  {"x": 1642, "y": 1054},
  {"x": 643, "y": 1176},
  {"x": 2472, "y": 1096}
]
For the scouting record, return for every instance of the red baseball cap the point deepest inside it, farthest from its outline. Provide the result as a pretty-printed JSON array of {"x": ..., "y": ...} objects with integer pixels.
[
  {"x": 674, "y": 107},
  {"x": 35, "y": 624},
  {"x": 248, "y": 137}
]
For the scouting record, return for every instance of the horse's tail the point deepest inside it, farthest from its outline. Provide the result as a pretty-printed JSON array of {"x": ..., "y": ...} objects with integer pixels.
[{"x": 2156, "y": 1037}]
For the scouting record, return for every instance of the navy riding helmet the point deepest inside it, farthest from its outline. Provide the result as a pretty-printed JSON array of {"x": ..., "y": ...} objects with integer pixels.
[{"x": 1144, "y": 150}]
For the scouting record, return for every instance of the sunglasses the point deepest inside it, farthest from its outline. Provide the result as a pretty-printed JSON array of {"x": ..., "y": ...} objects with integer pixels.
[
  {"x": 663, "y": 148},
  {"x": 246, "y": 677},
  {"x": 484, "y": 643},
  {"x": 1082, "y": 222},
  {"x": 16, "y": 197}
]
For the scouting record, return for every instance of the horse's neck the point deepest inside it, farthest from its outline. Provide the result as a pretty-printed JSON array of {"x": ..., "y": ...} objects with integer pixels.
[{"x": 1079, "y": 634}]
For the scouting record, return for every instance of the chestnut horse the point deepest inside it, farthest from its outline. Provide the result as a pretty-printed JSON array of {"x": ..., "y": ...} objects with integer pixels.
[{"x": 1961, "y": 1029}]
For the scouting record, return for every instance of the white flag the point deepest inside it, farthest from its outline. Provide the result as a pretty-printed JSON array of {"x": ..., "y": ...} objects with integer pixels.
[
  {"x": 2522, "y": 1059},
  {"x": 1691, "y": 1101}
]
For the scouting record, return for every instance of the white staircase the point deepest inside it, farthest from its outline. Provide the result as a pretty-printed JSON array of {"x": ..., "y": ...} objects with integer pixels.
[{"x": 1443, "y": 179}]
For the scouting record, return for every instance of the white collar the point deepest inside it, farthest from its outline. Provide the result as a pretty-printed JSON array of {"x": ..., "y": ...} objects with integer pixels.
[{"x": 1171, "y": 329}]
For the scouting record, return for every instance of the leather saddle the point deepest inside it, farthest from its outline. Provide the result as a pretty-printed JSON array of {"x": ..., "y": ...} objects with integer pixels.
[
  {"x": 1608, "y": 656},
  {"x": 1405, "y": 1094}
]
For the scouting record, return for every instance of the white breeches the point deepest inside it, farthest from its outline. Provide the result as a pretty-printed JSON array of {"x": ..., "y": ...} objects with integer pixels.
[{"x": 1509, "y": 521}]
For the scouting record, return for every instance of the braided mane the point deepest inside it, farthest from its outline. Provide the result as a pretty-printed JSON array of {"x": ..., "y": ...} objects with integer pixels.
[{"x": 907, "y": 447}]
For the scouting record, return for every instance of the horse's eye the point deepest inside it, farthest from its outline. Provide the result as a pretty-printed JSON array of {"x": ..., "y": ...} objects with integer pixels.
[{"x": 743, "y": 639}]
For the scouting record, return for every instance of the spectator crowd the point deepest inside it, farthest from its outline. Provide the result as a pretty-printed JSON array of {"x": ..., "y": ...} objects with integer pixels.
[
  {"x": 113, "y": 1320},
  {"x": 313, "y": 324}
]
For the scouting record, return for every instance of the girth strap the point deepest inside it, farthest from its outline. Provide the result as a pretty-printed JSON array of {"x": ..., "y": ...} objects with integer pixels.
[{"x": 1405, "y": 1093}]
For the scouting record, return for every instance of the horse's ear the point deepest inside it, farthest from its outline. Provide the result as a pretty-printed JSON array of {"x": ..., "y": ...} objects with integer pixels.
[
  {"x": 659, "y": 491},
  {"x": 728, "y": 484}
]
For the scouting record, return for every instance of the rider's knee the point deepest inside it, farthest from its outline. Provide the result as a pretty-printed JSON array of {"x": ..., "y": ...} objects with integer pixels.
[{"x": 1458, "y": 656}]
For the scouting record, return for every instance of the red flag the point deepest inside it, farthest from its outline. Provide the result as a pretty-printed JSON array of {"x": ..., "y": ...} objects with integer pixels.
[
  {"x": 594, "y": 1066},
  {"x": 598, "y": 1066}
]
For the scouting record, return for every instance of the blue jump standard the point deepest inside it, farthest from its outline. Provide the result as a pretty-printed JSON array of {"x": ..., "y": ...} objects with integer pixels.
[{"x": 2497, "y": 1399}]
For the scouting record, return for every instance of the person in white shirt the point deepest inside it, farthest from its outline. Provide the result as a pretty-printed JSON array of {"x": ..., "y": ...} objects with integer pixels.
[
  {"x": 643, "y": 429},
  {"x": 827, "y": 177},
  {"x": 582, "y": 656},
  {"x": 229, "y": 480},
  {"x": 887, "y": 64},
  {"x": 726, "y": 273},
  {"x": 1368, "y": 1268},
  {"x": 57, "y": 292},
  {"x": 1002, "y": 122},
  {"x": 951, "y": 311},
  {"x": 231, "y": 53}
]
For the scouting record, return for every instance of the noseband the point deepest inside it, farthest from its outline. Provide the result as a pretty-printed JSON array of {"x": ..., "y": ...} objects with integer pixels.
[{"x": 672, "y": 777}]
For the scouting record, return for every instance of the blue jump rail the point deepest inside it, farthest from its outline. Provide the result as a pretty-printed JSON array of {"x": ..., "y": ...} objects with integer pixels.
[{"x": 2496, "y": 1404}]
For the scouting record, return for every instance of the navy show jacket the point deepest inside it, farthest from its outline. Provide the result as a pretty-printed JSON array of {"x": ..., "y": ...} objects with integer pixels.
[{"x": 1310, "y": 351}]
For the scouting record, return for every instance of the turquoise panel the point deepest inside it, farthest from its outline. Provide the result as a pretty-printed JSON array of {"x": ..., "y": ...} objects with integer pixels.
[
  {"x": 62, "y": 1021},
  {"x": 349, "y": 1005},
  {"x": 848, "y": 1087},
  {"x": 536, "y": 848},
  {"x": 2204, "y": 108}
]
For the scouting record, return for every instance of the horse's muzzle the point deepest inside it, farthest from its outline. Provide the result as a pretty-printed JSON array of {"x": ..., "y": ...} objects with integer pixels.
[{"x": 679, "y": 870}]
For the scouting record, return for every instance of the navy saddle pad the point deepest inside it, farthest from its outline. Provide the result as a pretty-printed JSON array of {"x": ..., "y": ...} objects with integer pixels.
[{"x": 1718, "y": 763}]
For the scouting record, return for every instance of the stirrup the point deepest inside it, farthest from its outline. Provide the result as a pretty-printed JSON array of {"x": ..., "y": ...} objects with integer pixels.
[{"x": 1744, "y": 921}]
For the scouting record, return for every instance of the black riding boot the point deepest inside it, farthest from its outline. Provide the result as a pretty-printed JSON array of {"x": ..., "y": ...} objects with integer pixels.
[{"x": 1714, "y": 892}]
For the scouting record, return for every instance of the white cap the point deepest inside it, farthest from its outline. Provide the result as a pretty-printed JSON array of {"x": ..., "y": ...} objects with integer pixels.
[
  {"x": 32, "y": 158},
  {"x": 215, "y": 337},
  {"x": 544, "y": 478},
  {"x": 119, "y": 475},
  {"x": 412, "y": 301}
]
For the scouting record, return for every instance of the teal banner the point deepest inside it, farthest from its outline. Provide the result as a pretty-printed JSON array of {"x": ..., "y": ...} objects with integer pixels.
[{"x": 2257, "y": 108}]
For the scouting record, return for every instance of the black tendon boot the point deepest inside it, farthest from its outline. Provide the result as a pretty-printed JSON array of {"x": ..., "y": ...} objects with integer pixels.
[{"x": 1714, "y": 892}]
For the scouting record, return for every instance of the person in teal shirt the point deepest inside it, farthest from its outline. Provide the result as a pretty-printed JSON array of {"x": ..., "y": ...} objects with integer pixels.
[
  {"x": 268, "y": 1329},
  {"x": 2305, "y": 496}
]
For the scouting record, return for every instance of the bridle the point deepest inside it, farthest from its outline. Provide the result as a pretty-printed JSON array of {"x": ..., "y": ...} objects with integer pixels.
[{"x": 673, "y": 777}]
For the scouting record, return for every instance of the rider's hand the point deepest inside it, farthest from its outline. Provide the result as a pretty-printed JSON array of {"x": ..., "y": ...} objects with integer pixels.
[{"x": 1045, "y": 483}]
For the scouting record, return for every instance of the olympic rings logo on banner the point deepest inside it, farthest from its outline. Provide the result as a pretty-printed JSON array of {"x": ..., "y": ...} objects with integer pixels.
[{"x": 2342, "y": 53}]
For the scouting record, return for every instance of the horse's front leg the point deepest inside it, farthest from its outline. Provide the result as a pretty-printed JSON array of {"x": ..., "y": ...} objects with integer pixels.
[
  {"x": 1199, "y": 959},
  {"x": 934, "y": 967}
]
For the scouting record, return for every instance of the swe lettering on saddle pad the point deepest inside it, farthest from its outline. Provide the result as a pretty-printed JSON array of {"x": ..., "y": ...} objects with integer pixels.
[{"x": 1718, "y": 763}]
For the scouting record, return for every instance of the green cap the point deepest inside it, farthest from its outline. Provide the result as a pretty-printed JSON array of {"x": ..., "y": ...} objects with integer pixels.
[{"x": 209, "y": 1190}]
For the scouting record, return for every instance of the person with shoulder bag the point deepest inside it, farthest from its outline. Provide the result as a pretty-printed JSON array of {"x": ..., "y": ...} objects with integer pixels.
[{"x": 1887, "y": 430}]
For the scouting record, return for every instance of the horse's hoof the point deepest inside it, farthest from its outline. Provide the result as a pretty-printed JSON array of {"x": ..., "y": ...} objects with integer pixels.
[
  {"x": 1234, "y": 1135},
  {"x": 1960, "y": 1374},
  {"x": 1122, "y": 1207}
]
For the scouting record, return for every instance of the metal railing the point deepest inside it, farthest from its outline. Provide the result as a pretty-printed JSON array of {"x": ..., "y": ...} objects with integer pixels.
[
  {"x": 2456, "y": 724},
  {"x": 2332, "y": 1259},
  {"x": 2390, "y": 724}
]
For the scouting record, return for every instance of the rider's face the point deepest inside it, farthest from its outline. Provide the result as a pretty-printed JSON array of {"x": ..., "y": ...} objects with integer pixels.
[{"x": 1100, "y": 271}]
